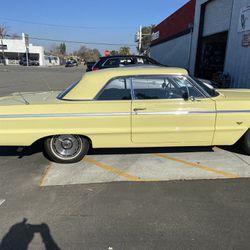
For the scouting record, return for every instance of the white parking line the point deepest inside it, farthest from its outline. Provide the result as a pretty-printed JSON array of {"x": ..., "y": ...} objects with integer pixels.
[{"x": 1, "y": 202}]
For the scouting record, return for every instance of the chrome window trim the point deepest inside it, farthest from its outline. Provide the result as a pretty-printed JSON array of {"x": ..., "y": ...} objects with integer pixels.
[{"x": 63, "y": 93}]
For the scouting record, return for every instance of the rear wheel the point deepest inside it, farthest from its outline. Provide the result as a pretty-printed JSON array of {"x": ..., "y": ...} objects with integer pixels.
[
  {"x": 245, "y": 142},
  {"x": 66, "y": 148}
]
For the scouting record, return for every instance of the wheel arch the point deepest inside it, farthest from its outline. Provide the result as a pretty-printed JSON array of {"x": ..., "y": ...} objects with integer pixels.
[{"x": 41, "y": 139}]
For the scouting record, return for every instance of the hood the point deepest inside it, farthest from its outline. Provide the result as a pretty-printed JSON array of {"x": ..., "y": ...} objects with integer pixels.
[
  {"x": 235, "y": 94},
  {"x": 26, "y": 98}
]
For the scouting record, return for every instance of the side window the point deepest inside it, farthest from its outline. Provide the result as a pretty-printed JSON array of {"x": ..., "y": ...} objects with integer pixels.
[
  {"x": 110, "y": 63},
  {"x": 117, "y": 89},
  {"x": 127, "y": 61},
  {"x": 164, "y": 87},
  {"x": 185, "y": 85},
  {"x": 155, "y": 88}
]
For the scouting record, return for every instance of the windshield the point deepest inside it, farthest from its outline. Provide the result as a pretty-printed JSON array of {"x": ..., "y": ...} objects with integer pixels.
[
  {"x": 206, "y": 87},
  {"x": 67, "y": 90}
]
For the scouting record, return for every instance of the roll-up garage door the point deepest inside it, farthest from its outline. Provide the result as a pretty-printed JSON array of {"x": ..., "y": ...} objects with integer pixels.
[{"x": 217, "y": 17}]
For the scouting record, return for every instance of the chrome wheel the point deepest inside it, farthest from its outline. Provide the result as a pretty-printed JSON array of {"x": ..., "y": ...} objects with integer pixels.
[{"x": 66, "y": 147}]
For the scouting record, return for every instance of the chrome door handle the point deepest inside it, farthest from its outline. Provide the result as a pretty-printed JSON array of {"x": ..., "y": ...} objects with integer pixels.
[{"x": 139, "y": 109}]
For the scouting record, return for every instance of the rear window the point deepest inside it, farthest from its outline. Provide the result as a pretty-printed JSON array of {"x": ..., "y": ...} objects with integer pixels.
[{"x": 117, "y": 89}]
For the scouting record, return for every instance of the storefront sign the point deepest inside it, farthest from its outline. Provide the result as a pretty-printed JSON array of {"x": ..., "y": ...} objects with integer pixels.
[
  {"x": 246, "y": 40},
  {"x": 3, "y": 47},
  {"x": 155, "y": 36},
  {"x": 244, "y": 22}
]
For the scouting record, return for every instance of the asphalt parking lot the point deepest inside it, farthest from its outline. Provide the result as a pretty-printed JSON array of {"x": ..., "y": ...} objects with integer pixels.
[{"x": 162, "y": 198}]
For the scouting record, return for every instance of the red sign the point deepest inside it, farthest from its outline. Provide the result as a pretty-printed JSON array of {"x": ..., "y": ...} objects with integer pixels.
[{"x": 107, "y": 53}]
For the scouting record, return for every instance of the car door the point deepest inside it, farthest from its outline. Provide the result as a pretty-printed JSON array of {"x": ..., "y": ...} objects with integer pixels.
[
  {"x": 170, "y": 110},
  {"x": 113, "y": 123}
]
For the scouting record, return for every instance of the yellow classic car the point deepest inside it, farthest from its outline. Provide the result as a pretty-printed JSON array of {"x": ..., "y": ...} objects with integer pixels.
[{"x": 126, "y": 107}]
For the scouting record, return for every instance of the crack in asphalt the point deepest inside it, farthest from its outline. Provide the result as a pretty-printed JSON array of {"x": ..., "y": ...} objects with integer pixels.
[{"x": 242, "y": 159}]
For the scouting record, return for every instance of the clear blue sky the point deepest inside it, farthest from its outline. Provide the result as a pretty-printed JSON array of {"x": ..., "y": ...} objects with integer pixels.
[{"x": 112, "y": 21}]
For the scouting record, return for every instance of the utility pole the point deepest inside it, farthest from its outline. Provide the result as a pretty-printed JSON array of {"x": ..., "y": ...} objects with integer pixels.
[
  {"x": 26, "y": 40},
  {"x": 2, "y": 50},
  {"x": 3, "y": 31},
  {"x": 139, "y": 37}
]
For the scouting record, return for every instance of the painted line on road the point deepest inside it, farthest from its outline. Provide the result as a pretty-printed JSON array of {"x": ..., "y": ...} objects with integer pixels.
[
  {"x": 112, "y": 169},
  {"x": 2, "y": 202},
  {"x": 226, "y": 174},
  {"x": 45, "y": 175}
]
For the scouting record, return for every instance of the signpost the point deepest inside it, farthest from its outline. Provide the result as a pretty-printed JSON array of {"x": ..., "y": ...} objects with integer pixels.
[{"x": 26, "y": 38}]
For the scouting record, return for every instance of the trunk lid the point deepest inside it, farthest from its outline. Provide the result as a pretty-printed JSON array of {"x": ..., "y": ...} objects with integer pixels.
[{"x": 26, "y": 98}]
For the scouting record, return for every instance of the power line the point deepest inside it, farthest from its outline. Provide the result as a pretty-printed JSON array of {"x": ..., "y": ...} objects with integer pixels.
[
  {"x": 64, "y": 26},
  {"x": 81, "y": 42}
]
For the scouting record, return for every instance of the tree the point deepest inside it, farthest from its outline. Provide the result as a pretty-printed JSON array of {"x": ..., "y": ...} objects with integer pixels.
[
  {"x": 124, "y": 51},
  {"x": 54, "y": 50},
  {"x": 62, "y": 49},
  {"x": 3, "y": 34},
  {"x": 146, "y": 39},
  {"x": 114, "y": 52},
  {"x": 58, "y": 50},
  {"x": 88, "y": 54}
]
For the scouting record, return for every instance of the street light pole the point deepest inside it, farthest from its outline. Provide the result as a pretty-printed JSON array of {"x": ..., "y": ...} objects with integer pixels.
[
  {"x": 2, "y": 50},
  {"x": 140, "y": 39},
  {"x": 26, "y": 40}
]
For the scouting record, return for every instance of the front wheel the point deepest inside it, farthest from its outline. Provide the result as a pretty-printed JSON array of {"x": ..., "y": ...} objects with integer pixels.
[
  {"x": 66, "y": 148},
  {"x": 245, "y": 142}
]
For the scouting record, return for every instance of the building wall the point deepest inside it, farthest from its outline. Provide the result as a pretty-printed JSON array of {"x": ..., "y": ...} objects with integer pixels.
[
  {"x": 225, "y": 14},
  {"x": 217, "y": 19},
  {"x": 175, "y": 52},
  {"x": 18, "y": 46},
  {"x": 176, "y": 23},
  {"x": 238, "y": 57}
]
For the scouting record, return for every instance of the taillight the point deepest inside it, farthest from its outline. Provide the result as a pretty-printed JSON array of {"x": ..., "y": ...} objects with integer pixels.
[{"x": 94, "y": 69}]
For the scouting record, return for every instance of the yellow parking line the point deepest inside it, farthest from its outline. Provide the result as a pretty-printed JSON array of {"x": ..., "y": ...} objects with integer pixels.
[
  {"x": 226, "y": 174},
  {"x": 45, "y": 175},
  {"x": 111, "y": 169}
]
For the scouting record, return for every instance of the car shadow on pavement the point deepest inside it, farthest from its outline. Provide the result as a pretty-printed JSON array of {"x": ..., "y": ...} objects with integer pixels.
[
  {"x": 21, "y": 151},
  {"x": 21, "y": 234},
  {"x": 235, "y": 149},
  {"x": 114, "y": 151},
  {"x": 37, "y": 147}
]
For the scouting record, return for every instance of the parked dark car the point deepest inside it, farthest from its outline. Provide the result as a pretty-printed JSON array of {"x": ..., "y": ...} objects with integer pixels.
[
  {"x": 90, "y": 66},
  {"x": 31, "y": 62},
  {"x": 120, "y": 61},
  {"x": 71, "y": 63}
]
